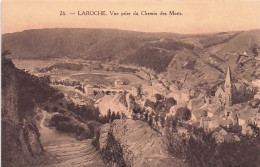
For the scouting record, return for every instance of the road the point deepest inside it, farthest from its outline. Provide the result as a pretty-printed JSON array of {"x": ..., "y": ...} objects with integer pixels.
[{"x": 62, "y": 150}]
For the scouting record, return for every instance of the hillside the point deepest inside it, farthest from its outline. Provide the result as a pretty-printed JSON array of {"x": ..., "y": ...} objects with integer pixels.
[
  {"x": 93, "y": 44},
  {"x": 122, "y": 145},
  {"x": 206, "y": 67},
  {"x": 25, "y": 135},
  {"x": 200, "y": 59},
  {"x": 20, "y": 135}
]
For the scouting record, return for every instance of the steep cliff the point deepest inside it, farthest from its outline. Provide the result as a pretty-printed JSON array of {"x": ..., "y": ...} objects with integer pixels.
[{"x": 20, "y": 137}]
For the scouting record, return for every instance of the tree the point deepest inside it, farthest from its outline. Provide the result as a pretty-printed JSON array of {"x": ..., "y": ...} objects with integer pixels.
[
  {"x": 150, "y": 121},
  {"x": 113, "y": 116},
  {"x": 134, "y": 116},
  {"x": 139, "y": 91},
  {"x": 183, "y": 113},
  {"x": 146, "y": 116},
  {"x": 95, "y": 113},
  {"x": 174, "y": 124},
  {"x": 55, "y": 109},
  {"x": 136, "y": 109},
  {"x": 112, "y": 153},
  {"x": 123, "y": 116},
  {"x": 169, "y": 102},
  {"x": 149, "y": 103},
  {"x": 104, "y": 119},
  {"x": 71, "y": 106},
  {"x": 118, "y": 115},
  {"x": 46, "y": 79},
  {"x": 6, "y": 52},
  {"x": 109, "y": 114},
  {"x": 46, "y": 108},
  {"x": 159, "y": 97},
  {"x": 74, "y": 83}
]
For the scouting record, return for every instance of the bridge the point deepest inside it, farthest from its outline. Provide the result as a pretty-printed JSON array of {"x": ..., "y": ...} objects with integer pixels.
[{"x": 108, "y": 91}]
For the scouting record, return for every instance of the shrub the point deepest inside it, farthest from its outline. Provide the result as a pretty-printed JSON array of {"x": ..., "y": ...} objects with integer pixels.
[
  {"x": 183, "y": 113},
  {"x": 159, "y": 97},
  {"x": 200, "y": 149},
  {"x": 113, "y": 116},
  {"x": 113, "y": 153}
]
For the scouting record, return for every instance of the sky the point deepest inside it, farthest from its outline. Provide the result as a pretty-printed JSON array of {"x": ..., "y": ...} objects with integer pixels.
[{"x": 199, "y": 16}]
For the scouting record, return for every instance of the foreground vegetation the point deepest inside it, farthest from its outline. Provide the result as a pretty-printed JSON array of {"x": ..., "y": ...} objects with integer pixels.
[{"x": 200, "y": 149}]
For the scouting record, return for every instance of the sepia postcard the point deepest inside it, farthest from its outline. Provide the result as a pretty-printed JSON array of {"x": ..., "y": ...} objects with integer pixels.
[{"x": 137, "y": 83}]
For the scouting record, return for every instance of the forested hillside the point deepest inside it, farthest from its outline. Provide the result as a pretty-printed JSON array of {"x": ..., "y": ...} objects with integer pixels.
[{"x": 184, "y": 58}]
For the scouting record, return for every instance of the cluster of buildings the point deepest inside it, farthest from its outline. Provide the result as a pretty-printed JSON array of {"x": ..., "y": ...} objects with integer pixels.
[
  {"x": 218, "y": 114},
  {"x": 228, "y": 114},
  {"x": 228, "y": 109}
]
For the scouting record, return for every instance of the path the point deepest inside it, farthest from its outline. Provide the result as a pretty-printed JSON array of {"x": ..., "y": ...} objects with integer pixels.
[{"x": 65, "y": 151}]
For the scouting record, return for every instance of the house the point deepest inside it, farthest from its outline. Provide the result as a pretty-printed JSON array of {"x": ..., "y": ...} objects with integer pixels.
[
  {"x": 219, "y": 135},
  {"x": 247, "y": 115},
  {"x": 219, "y": 111},
  {"x": 257, "y": 95},
  {"x": 242, "y": 118},
  {"x": 215, "y": 109},
  {"x": 204, "y": 122},
  {"x": 181, "y": 96},
  {"x": 231, "y": 116},
  {"x": 230, "y": 93},
  {"x": 137, "y": 90},
  {"x": 241, "y": 122},
  {"x": 210, "y": 124},
  {"x": 196, "y": 115},
  {"x": 236, "y": 138},
  {"x": 229, "y": 138},
  {"x": 255, "y": 119},
  {"x": 256, "y": 83},
  {"x": 89, "y": 90},
  {"x": 247, "y": 130},
  {"x": 213, "y": 124},
  {"x": 197, "y": 103},
  {"x": 220, "y": 95},
  {"x": 118, "y": 83}
]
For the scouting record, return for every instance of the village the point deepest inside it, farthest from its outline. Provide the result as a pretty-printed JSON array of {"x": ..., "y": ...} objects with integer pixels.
[
  {"x": 191, "y": 99},
  {"x": 229, "y": 114}
]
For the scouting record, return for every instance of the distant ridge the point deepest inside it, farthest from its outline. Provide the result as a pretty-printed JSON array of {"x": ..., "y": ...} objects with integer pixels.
[
  {"x": 193, "y": 56},
  {"x": 94, "y": 44}
]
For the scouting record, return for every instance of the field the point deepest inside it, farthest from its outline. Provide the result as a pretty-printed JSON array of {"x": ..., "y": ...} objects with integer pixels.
[{"x": 32, "y": 65}]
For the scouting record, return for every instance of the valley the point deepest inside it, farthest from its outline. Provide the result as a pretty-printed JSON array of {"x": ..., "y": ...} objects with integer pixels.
[
  {"x": 97, "y": 87},
  {"x": 104, "y": 97}
]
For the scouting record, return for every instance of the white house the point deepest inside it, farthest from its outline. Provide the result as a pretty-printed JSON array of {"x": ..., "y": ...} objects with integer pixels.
[{"x": 118, "y": 82}]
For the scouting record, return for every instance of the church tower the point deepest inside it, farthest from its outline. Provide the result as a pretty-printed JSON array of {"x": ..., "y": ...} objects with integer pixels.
[{"x": 228, "y": 88}]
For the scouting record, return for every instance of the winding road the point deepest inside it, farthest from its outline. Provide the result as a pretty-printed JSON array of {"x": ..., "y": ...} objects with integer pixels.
[{"x": 62, "y": 150}]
